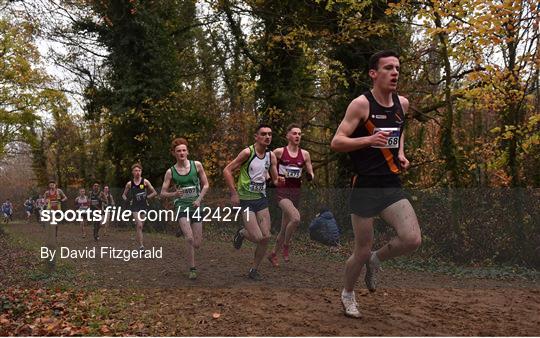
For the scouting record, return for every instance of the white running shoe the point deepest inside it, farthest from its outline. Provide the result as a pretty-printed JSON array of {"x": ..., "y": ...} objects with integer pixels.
[
  {"x": 371, "y": 274},
  {"x": 350, "y": 306}
]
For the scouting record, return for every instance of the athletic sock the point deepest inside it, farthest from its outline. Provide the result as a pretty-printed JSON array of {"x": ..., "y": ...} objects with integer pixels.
[
  {"x": 374, "y": 259},
  {"x": 347, "y": 294}
]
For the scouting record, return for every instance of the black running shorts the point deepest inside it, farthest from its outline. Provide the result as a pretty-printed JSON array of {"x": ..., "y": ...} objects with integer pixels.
[
  {"x": 254, "y": 205},
  {"x": 372, "y": 194}
]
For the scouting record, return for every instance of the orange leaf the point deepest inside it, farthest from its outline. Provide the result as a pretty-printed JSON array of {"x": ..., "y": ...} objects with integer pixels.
[{"x": 104, "y": 329}]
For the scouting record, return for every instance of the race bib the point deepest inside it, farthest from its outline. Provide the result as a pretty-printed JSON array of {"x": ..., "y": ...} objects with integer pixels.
[
  {"x": 293, "y": 172},
  {"x": 257, "y": 186},
  {"x": 94, "y": 202},
  {"x": 188, "y": 192},
  {"x": 393, "y": 138},
  {"x": 140, "y": 196}
]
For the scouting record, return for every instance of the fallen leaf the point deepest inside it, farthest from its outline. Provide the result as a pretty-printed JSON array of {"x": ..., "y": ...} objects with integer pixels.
[{"x": 104, "y": 329}]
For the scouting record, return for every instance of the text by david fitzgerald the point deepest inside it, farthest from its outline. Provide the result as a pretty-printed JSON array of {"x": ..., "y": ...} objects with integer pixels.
[{"x": 102, "y": 252}]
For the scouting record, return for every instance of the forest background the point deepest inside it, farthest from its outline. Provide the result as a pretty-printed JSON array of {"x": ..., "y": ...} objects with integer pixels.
[{"x": 87, "y": 87}]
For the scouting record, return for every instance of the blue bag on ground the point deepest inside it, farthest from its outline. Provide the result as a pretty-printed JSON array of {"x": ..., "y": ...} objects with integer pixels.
[{"x": 324, "y": 228}]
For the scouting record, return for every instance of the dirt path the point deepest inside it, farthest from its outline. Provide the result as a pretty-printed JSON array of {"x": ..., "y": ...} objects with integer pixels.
[{"x": 299, "y": 298}]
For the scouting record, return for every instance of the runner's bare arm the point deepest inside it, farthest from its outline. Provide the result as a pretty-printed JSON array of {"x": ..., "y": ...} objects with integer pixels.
[
  {"x": 278, "y": 152},
  {"x": 204, "y": 181},
  {"x": 233, "y": 166},
  {"x": 153, "y": 191},
  {"x": 166, "y": 185},
  {"x": 276, "y": 180},
  {"x": 401, "y": 154},
  {"x": 126, "y": 190},
  {"x": 356, "y": 113},
  {"x": 309, "y": 166},
  {"x": 64, "y": 197}
]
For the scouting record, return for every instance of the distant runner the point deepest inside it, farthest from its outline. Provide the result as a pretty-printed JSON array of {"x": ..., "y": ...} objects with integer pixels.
[{"x": 136, "y": 192}]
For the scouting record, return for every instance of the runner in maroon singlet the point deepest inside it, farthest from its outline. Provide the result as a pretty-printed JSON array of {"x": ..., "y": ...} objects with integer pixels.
[{"x": 291, "y": 162}]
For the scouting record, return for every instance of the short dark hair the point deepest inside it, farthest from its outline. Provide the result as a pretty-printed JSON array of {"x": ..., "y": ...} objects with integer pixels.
[
  {"x": 374, "y": 59},
  {"x": 260, "y": 126},
  {"x": 293, "y": 125},
  {"x": 136, "y": 165}
]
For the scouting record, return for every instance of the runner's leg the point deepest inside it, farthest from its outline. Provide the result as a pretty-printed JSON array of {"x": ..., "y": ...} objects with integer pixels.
[
  {"x": 280, "y": 239},
  {"x": 263, "y": 218},
  {"x": 197, "y": 234},
  {"x": 251, "y": 231},
  {"x": 139, "y": 224},
  {"x": 402, "y": 218},
  {"x": 188, "y": 235},
  {"x": 363, "y": 240},
  {"x": 82, "y": 229},
  {"x": 293, "y": 217}
]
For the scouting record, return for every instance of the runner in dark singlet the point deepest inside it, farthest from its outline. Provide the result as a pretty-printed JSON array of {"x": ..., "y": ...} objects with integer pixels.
[
  {"x": 95, "y": 204},
  {"x": 291, "y": 161},
  {"x": 137, "y": 189},
  {"x": 7, "y": 210},
  {"x": 29, "y": 208},
  {"x": 106, "y": 200},
  {"x": 372, "y": 133}
]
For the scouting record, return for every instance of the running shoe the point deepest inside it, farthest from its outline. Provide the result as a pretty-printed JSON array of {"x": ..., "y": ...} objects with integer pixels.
[
  {"x": 350, "y": 306},
  {"x": 254, "y": 274},
  {"x": 238, "y": 239},
  {"x": 286, "y": 253},
  {"x": 192, "y": 273},
  {"x": 274, "y": 260},
  {"x": 371, "y": 274}
]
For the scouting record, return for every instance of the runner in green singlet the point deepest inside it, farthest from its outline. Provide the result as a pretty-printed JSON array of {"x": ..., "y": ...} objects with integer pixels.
[
  {"x": 191, "y": 185},
  {"x": 254, "y": 163}
]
